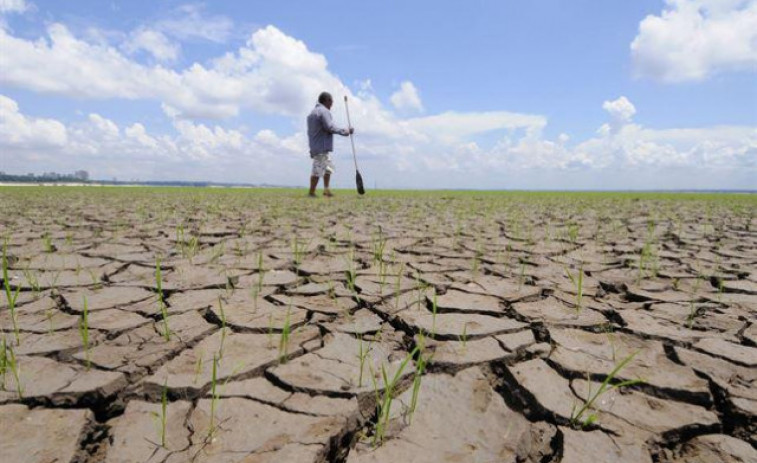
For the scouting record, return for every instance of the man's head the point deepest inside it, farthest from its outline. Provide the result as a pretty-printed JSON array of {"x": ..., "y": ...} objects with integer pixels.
[{"x": 325, "y": 99}]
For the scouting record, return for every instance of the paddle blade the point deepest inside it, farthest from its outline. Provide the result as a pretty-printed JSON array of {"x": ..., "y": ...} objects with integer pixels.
[{"x": 359, "y": 181}]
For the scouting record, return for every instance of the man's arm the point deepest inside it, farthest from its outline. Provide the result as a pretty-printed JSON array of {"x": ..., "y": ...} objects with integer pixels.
[{"x": 328, "y": 124}]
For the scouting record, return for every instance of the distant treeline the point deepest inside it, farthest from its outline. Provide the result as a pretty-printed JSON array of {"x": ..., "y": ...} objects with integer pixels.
[{"x": 80, "y": 176}]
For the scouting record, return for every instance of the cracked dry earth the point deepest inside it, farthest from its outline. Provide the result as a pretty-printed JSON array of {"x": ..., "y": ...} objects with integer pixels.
[{"x": 290, "y": 320}]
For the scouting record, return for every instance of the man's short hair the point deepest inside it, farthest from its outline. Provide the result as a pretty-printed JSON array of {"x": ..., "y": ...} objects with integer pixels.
[{"x": 324, "y": 97}]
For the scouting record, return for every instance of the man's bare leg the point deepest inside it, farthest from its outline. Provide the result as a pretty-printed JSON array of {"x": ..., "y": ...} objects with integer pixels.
[
  {"x": 326, "y": 179},
  {"x": 313, "y": 185}
]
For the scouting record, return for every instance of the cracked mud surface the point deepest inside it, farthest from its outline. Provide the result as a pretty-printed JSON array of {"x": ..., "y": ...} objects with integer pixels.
[{"x": 493, "y": 321}]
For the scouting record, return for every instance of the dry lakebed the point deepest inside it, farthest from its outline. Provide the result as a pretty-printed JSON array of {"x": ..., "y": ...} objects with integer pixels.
[{"x": 257, "y": 325}]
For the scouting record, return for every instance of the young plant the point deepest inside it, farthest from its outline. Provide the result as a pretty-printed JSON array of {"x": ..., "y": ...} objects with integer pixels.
[
  {"x": 161, "y": 302},
  {"x": 10, "y": 295},
  {"x": 382, "y": 276},
  {"x": 284, "y": 339},
  {"x": 49, "y": 313},
  {"x": 576, "y": 416},
  {"x": 47, "y": 242},
  {"x": 298, "y": 251},
  {"x": 420, "y": 368},
  {"x": 476, "y": 264},
  {"x": 198, "y": 366},
  {"x": 692, "y": 303},
  {"x": 84, "y": 331},
  {"x": 420, "y": 288},
  {"x": 351, "y": 272},
  {"x": 362, "y": 354},
  {"x": 573, "y": 232},
  {"x": 223, "y": 326},
  {"x": 463, "y": 338},
  {"x": 161, "y": 418},
  {"x": 33, "y": 281},
  {"x": 385, "y": 402},
  {"x": 3, "y": 363},
  {"x": 261, "y": 272},
  {"x": 578, "y": 283},
  {"x": 218, "y": 252},
  {"x": 522, "y": 278},
  {"x": 378, "y": 248},
  {"x": 12, "y": 365},
  {"x": 397, "y": 283},
  {"x": 213, "y": 398}
]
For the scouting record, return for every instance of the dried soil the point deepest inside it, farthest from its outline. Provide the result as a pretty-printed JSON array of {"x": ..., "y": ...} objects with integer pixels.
[{"x": 287, "y": 319}]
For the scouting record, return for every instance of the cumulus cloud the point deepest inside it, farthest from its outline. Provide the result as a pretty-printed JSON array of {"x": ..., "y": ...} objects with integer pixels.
[
  {"x": 211, "y": 152},
  {"x": 620, "y": 110},
  {"x": 694, "y": 39},
  {"x": 407, "y": 98},
  {"x": 13, "y": 6},
  {"x": 274, "y": 73},
  {"x": 193, "y": 152},
  {"x": 153, "y": 42},
  {"x": 21, "y": 132}
]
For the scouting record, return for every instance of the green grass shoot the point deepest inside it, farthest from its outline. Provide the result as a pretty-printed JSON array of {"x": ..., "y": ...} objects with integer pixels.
[
  {"x": 161, "y": 301},
  {"x": 10, "y": 295},
  {"x": 84, "y": 331},
  {"x": 577, "y": 415}
]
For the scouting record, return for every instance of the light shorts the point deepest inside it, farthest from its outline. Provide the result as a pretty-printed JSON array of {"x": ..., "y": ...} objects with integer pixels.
[{"x": 322, "y": 165}]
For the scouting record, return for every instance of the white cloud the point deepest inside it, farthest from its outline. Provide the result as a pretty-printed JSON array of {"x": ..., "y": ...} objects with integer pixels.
[
  {"x": 13, "y": 6},
  {"x": 429, "y": 159},
  {"x": 191, "y": 22},
  {"x": 621, "y": 110},
  {"x": 21, "y": 132},
  {"x": 406, "y": 98},
  {"x": 693, "y": 39},
  {"x": 153, "y": 42},
  {"x": 453, "y": 126},
  {"x": 274, "y": 73}
]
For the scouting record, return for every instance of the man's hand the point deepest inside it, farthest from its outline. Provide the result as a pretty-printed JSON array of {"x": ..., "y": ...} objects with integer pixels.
[{"x": 352, "y": 130}]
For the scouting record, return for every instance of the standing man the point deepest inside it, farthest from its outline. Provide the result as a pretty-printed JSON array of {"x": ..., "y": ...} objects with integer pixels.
[{"x": 321, "y": 130}]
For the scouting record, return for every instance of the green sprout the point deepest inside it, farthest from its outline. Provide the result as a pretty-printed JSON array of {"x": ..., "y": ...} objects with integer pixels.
[
  {"x": 161, "y": 303},
  {"x": 10, "y": 295},
  {"x": 84, "y": 332},
  {"x": 161, "y": 418},
  {"x": 284, "y": 339},
  {"x": 3, "y": 362},
  {"x": 12, "y": 363},
  {"x": 420, "y": 368},
  {"x": 47, "y": 242},
  {"x": 385, "y": 401},
  {"x": 361, "y": 355},
  {"x": 692, "y": 303},
  {"x": 576, "y": 416},
  {"x": 578, "y": 283},
  {"x": 223, "y": 326},
  {"x": 463, "y": 338},
  {"x": 213, "y": 398},
  {"x": 261, "y": 272},
  {"x": 198, "y": 367}
]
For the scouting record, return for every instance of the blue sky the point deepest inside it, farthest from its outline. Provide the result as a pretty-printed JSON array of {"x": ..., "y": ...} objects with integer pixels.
[{"x": 479, "y": 94}]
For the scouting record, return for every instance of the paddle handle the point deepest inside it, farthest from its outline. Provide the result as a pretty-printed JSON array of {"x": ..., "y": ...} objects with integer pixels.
[{"x": 349, "y": 125}]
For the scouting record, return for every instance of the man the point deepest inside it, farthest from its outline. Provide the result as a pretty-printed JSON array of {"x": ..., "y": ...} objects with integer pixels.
[{"x": 321, "y": 130}]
